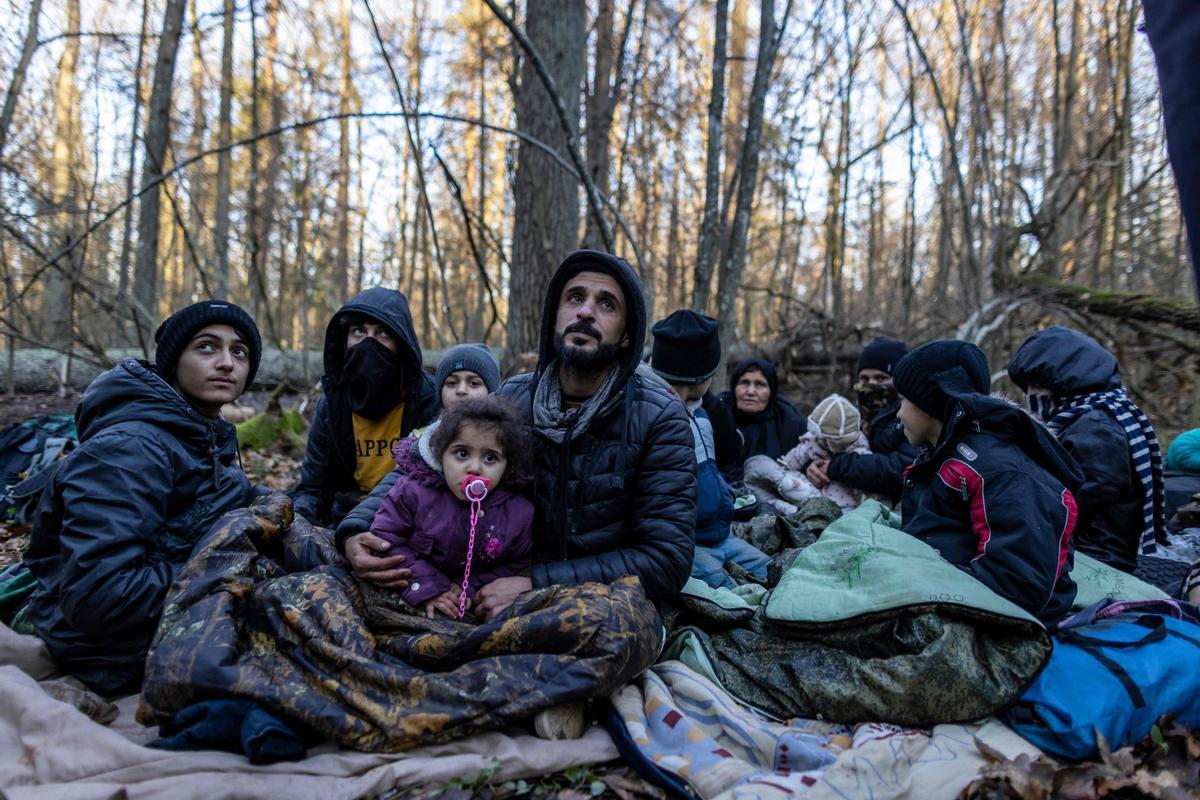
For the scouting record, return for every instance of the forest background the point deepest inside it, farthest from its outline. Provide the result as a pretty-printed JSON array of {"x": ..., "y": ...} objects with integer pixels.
[{"x": 812, "y": 172}]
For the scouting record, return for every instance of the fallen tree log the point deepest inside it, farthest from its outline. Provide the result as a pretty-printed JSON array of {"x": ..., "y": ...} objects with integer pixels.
[{"x": 1138, "y": 306}]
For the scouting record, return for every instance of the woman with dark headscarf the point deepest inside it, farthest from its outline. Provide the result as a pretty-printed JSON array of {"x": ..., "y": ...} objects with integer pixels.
[{"x": 768, "y": 424}]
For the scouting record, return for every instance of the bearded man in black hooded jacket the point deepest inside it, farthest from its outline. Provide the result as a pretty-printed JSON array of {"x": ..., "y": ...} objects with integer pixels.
[{"x": 375, "y": 393}]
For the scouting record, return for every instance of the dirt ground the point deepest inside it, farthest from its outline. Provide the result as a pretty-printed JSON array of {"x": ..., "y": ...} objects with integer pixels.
[{"x": 23, "y": 406}]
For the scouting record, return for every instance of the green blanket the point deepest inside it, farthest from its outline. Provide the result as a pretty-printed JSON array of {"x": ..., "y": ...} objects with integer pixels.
[{"x": 872, "y": 624}]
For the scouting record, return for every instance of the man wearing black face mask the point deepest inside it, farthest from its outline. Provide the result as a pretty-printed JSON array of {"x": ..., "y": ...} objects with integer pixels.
[
  {"x": 376, "y": 392},
  {"x": 882, "y": 470}
]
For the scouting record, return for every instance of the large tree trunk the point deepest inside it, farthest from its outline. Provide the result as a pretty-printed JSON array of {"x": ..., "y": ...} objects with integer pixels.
[
  {"x": 735, "y": 255},
  {"x": 65, "y": 194},
  {"x": 127, "y": 231},
  {"x": 158, "y": 130},
  {"x": 11, "y": 96},
  {"x": 546, "y": 197},
  {"x": 274, "y": 163},
  {"x": 340, "y": 280},
  {"x": 224, "y": 158},
  {"x": 710, "y": 226},
  {"x": 199, "y": 173}
]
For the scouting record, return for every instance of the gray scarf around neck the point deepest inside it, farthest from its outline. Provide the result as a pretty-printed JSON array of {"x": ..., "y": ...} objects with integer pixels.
[{"x": 548, "y": 417}]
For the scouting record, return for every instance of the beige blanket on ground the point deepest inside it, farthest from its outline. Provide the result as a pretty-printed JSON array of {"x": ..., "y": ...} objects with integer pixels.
[{"x": 51, "y": 749}]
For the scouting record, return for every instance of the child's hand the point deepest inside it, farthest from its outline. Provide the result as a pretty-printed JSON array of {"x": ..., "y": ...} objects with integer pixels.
[{"x": 446, "y": 602}]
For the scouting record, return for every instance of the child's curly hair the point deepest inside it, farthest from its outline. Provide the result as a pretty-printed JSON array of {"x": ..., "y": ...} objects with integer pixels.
[{"x": 495, "y": 414}]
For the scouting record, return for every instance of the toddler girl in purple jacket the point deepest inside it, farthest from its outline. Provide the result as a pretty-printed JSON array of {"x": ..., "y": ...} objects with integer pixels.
[{"x": 429, "y": 518}]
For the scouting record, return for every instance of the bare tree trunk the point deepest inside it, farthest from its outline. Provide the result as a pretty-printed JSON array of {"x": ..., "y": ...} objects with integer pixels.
[
  {"x": 65, "y": 194},
  {"x": 546, "y": 198},
  {"x": 199, "y": 174},
  {"x": 158, "y": 129},
  {"x": 127, "y": 231},
  {"x": 255, "y": 276},
  {"x": 602, "y": 104},
  {"x": 341, "y": 225},
  {"x": 28, "y": 46},
  {"x": 224, "y": 158},
  {"x": 735, "y": 256},
  {"x": 710, "y": 228},
  {"x": 274, "y": 162}
]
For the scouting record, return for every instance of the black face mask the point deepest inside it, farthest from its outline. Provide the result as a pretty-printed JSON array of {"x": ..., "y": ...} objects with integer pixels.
[
  {"x": 873, "y": 398},
  {"x": 373, "y": 377}
]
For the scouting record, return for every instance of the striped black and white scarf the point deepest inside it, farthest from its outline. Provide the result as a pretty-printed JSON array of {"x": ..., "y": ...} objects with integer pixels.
[{"x": 1143, "y": 446}]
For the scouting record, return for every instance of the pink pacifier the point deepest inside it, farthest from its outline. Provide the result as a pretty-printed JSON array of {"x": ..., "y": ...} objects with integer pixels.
[{"x": 475, "y": 487}]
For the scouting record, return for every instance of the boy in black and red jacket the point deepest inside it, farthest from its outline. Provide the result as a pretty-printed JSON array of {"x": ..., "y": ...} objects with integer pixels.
[{"x": 993, "y": 492}]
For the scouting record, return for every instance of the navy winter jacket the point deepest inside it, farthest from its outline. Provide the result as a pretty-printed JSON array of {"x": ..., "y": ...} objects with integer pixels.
[
  {"x": 328, "y": 489},
  {"x": 882, "y": 470},
  {"x": 119, "y": 517},
  {"x": 618, "y": 498},
  {"x": 1110, "y": 500},
  {"x": 995, "y": 498}
]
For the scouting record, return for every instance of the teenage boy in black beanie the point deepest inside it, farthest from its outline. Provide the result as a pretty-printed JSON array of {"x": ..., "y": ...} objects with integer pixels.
[
  {"x": 993, "y": 491},
  {"x": 880, "y": 472},
  {"x": 155, "y": 468}
]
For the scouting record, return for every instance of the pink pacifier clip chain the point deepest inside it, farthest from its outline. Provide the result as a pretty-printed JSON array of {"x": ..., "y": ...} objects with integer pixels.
[{"x": 476, "y": 489}]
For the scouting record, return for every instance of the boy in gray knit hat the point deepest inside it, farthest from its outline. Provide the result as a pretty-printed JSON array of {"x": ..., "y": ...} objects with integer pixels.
[{"x": 466, "y": 370}]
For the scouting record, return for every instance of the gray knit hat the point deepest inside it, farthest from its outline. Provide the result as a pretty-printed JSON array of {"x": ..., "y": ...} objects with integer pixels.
[{"x": 476, "y": 357}]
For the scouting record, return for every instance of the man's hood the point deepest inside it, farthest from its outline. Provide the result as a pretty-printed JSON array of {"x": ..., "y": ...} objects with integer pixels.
[
  {"x": 387, "y": 306},
  {"x": 1066, "y": 362},
  {"x": 635, "y": 305},
  {"x": 133, "y": 391}
]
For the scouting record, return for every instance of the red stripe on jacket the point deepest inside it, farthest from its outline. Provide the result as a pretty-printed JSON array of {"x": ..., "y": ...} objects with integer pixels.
[
  {"x": 1064, "y": 539},
  {"x": 961, "y": 477}
]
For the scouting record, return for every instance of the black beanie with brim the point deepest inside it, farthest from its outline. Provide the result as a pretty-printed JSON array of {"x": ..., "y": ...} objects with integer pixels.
[{"x": 930, "y": 374}]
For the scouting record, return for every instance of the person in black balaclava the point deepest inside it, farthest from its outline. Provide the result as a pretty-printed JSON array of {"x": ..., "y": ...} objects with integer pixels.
[
  {"x": 376, "y": 392},
  {"x": 880, "y": 471}
]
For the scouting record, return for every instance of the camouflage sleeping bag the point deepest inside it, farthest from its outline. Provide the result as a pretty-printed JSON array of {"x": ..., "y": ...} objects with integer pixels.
[
  {"x": 266, "y": 610},
  {"x": 868, "y": 623}
]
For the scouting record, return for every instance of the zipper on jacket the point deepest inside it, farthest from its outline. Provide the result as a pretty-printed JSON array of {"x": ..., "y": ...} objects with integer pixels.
[{"x": 213, "y": 450}]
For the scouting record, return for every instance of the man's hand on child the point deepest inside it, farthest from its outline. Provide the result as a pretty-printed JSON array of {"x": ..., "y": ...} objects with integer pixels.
[
  {"x": 816, "y": 473},
  {"x": 446, "y": 602},
  {"x": 365, "y": 552},
  {"x": 499, "y": 595}
]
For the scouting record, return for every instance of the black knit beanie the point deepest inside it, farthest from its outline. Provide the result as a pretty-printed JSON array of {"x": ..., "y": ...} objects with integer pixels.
[
  {"x": 178, "y": 329},
  {"x": 882, "y": 354},
  {"x": 687, "y": 347},
  {"x": 924, "y": 375}
]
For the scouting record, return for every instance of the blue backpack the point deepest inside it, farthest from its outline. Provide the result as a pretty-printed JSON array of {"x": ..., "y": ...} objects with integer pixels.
[{"x": 1114, "y": 675}]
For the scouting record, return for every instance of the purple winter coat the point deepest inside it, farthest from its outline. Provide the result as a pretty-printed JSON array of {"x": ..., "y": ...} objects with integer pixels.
[{"x": 430, "y": 527}]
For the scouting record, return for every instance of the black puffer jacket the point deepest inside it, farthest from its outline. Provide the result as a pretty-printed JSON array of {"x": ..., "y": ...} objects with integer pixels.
[
  {"x": 1069, "y": 363},
  {"x": 327, "y": 489},
  {"x": 618, "y": 498},
  {"x": 882, "y": 470},
  {"x": 995, "y": 498},
  {"x": 119, "y": 517}
]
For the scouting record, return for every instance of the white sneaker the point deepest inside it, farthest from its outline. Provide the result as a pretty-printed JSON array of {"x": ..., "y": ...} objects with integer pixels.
[{"x": 566, "y": 721}]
